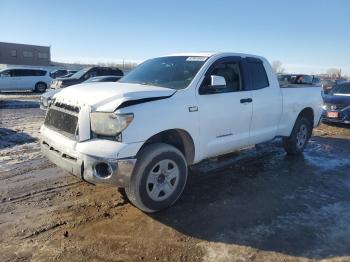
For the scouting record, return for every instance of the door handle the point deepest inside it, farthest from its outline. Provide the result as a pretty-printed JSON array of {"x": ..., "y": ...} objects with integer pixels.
[{"x": 246, "y": 100}]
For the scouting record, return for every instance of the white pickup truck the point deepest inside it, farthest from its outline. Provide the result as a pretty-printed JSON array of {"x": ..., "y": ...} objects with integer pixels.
[{"x": 143, "y": 132}]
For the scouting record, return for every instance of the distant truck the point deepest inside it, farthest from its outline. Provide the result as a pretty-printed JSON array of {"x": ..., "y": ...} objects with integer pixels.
[
  {"x": 142, "y": 133},
  {"x": 85, "y": 74},
  {"x": 298, "y": 79}
]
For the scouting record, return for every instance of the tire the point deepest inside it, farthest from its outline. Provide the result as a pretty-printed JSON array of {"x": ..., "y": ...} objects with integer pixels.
[
  {"x": 40, "y": 87},
  {"x": 158, "y": 179},
  {"x": 297, "y": 141}
]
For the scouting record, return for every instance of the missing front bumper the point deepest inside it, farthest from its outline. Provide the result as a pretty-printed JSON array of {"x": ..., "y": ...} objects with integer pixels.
[{"x": 84, "y": 166}]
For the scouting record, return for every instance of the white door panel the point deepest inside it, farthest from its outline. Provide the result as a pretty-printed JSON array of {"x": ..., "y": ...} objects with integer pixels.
[
  {"x": 19, "y": 82},
  {"x": 224, "y": 122},
  {"x": 267, "y": 108}
]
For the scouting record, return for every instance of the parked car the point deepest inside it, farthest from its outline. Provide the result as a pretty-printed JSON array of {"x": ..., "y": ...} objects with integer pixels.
[
  {"x": 22, "y": 78},
  {"x": 337, "y": 104},
  {"x": 58, "y": 73},
  {"x": 46, "y": 98},
  {"x": 85, "y": 74},
  {"x": 143, "y": 132}
]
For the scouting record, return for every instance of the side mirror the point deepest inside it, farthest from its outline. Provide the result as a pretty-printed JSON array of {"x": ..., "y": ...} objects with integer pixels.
[{"x": 217, "y": 81}]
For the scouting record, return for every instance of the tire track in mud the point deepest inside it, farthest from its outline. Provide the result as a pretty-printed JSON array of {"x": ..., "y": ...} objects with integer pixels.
[
  {"x": 24, "y": 150},
  {"x": 22, "y": 170},
  {"x": 45, "y": 229},
  {"x": 36, "y": 193}
]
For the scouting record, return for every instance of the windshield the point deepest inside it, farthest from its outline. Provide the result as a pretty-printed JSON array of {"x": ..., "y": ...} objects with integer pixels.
[
  {"x": 80, "y": 73},
  {"x": 341, "y": 89},
  {"x": 175, "y": 72}
]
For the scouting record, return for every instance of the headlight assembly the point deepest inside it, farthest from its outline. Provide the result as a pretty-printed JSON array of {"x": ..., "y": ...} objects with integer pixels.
[{"x": 109, "y": 124}]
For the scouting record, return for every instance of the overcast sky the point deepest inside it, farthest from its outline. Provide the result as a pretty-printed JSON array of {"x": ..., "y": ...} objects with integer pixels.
[{"x": 307, "y": 36}]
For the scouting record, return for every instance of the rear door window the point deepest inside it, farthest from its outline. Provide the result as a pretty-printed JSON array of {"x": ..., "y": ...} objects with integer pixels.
[
  {"x": 39, "y": 73},
  {"x": 257, "y": 74},
  {"x": 28, "y": 72},
  {"x": 20, "y": 72}
]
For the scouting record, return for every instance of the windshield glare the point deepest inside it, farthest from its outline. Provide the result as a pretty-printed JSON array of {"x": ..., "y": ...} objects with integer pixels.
[
  {"x": 175, "y": 72},
  {"x": 341, "y": 89},
  {"x": 80, "y": 73}
]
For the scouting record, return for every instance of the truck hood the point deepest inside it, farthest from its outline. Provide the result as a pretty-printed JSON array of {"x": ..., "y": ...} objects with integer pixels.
[{"x": 107, "y": 97}]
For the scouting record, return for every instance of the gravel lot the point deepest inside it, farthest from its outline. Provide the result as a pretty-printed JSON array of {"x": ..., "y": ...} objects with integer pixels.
[{"x": 258, "y": 205}]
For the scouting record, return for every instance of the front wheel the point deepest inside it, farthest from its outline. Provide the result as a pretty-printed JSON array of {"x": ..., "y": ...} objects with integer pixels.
[
  {"x": 297, "y": 141},
  {"x": 40, "y": 87},
  {"x": 159, "y": 178}
]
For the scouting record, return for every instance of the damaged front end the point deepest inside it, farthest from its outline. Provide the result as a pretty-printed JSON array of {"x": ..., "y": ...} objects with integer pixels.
[{"x": 83, "y": 136}]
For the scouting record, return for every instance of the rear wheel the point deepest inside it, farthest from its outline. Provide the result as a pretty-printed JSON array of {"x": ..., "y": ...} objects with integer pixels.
[
  {"x": 297, "y": 141},
  {"x": 159, "y": 178},
  {"x": 40, "y": 87}
]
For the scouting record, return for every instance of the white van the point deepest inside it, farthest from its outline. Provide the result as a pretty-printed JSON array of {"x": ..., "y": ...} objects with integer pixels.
[{"x": 14, "y": 79}]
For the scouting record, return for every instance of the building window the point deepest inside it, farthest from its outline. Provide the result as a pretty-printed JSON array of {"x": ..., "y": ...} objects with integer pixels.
[
  {"x": 14, "y": 52},
  {"x": 43, "y": 55},
  {"x": 27, "y": 54}
]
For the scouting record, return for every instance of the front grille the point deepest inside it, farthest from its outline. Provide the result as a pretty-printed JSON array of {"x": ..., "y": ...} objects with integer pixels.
[
  {"x": 70, "y": 108},
  {"x": 63, "y": 118}
]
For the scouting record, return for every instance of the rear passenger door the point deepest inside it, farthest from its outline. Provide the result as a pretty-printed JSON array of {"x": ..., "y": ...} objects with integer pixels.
[
  {"x": 19, "y": 79},
  {"x": 225, "y": 112},
  {"x": 267, "y": 101}
]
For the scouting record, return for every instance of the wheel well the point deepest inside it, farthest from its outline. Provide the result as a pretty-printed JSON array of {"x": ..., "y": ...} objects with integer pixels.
[
  {"x": 178, "y": 138},
  {"x": 308, "y": 113}
]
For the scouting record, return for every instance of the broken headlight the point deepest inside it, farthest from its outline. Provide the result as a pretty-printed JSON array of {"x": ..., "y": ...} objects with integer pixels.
[{"x": 109, "y": 124}]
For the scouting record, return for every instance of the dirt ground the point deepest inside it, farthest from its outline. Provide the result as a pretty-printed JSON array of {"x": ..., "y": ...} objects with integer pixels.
[{"x": 259, "y": 205}]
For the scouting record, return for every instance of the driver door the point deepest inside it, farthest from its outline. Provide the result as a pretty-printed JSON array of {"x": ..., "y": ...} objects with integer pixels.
[{"x": 225, "y": 112}]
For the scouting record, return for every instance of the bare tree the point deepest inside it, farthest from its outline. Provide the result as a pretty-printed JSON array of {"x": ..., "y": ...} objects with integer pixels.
[
  {"x": 277, "y": 67},
  {"x": 334, "y": 73}
]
